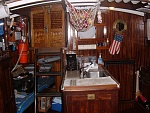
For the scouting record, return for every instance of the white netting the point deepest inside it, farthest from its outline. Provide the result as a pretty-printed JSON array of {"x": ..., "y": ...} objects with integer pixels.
[{"x": 82, "y": 19}]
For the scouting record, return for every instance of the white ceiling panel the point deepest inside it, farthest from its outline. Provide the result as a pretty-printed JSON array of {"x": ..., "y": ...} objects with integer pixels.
[
  {"x": 126, "y": 1},
  {"x": 18, "y": 4}
]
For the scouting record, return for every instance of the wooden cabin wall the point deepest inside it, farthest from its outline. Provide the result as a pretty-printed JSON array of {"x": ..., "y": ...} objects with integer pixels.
[{"x": 132, "y": 46}]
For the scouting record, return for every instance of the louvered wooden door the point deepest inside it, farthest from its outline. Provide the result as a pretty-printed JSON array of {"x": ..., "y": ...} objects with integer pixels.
[
  {"x": 47, "y": 26},
  {"x": 39, "y": 34},
  {"x": 56, "y": 27}
]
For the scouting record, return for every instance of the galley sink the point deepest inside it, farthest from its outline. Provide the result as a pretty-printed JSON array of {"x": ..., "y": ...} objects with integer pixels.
[{"x": 95, "y": 73}]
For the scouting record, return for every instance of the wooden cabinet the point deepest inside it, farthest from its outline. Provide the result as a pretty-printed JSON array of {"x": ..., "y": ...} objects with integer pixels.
[
  {"x": 89, "y": 95},
  {"x": 7, "y": 98},
  {"x": 94, "y": 101},
  {"x": 47, "y": 26}
]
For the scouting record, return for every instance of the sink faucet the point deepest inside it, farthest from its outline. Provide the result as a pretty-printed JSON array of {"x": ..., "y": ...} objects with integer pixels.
[
  {"x": 82, "y": 68},
  {"x": 84, "y": 72}
]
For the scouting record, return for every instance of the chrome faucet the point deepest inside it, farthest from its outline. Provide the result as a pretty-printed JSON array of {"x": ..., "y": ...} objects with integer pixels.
[{"x": 85, "y": 72}]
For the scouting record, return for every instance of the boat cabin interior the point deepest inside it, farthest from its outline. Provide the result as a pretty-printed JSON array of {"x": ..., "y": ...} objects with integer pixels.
[{"x": 75, "y": 56}]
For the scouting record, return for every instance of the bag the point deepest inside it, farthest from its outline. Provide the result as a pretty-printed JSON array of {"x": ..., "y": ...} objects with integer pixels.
[
  {"x": 17, "y": 71},
  {"x": 24, "y": 83}
]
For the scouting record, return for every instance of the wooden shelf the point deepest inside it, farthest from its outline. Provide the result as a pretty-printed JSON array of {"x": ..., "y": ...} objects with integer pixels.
[
  {"x": 101, "y": 39},
  {"x": 101, "y": 24},
  {"x": 97, "y": 48},
  {"x": 102, "y": 47},
  {"x": 96, "y": 43}
]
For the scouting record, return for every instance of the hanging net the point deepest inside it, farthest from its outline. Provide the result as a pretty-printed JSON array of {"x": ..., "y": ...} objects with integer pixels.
[{"x": 82, "y": 19}]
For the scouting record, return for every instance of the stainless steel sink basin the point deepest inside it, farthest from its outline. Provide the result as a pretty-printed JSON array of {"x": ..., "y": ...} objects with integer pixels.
[{"x": 96, "y": 74}]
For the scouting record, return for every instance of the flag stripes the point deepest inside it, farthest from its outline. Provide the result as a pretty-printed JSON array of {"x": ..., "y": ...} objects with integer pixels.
[{"x": 115, "y": 46}]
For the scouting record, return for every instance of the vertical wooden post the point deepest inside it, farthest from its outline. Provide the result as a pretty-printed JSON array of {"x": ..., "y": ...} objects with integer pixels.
[
  {"x": 145, "y": 25},
  {"x": 6, "y": 34},
  {"x": 146, "y": 41}
]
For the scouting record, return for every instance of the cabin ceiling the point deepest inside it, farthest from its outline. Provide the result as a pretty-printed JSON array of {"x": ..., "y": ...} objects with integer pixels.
[{"x": 23, "y": 7}]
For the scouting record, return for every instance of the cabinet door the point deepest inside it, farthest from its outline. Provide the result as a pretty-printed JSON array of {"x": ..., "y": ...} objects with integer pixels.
[
  {"x": 123, "y": 71},
  {"x": 47, "y": 25},
  {"x": 92, "y": 102},
  {"x": 56, "y": 26},
  {"x": 39, "y": 27}
]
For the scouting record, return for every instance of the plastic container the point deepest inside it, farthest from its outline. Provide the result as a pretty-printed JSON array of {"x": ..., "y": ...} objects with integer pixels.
[{"x": 100, "y": 61}]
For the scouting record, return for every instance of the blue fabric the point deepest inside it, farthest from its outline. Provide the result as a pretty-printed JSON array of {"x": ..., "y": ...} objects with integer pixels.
[
  {"x": 23, "y": 103},
  {"x": 1, "y": 28}
]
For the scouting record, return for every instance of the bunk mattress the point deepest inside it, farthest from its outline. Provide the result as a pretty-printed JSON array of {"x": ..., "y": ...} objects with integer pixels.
[
  {"x": 24, "y": 100},
  {"x": 48, "y": 59}
]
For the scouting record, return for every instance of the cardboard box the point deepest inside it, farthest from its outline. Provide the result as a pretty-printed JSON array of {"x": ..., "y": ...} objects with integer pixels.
[{"x": 44, "y": 103}]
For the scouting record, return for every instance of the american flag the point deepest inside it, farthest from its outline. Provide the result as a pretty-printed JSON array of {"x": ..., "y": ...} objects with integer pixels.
[{"x": 115, "y": 46}]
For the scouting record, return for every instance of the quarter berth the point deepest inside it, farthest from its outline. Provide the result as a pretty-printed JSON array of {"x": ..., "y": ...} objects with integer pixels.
[{"x": 24, "y": 100}]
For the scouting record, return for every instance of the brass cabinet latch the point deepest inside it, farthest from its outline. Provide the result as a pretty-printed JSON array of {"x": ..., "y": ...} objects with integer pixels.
[{"x": 90, "y": 96}]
